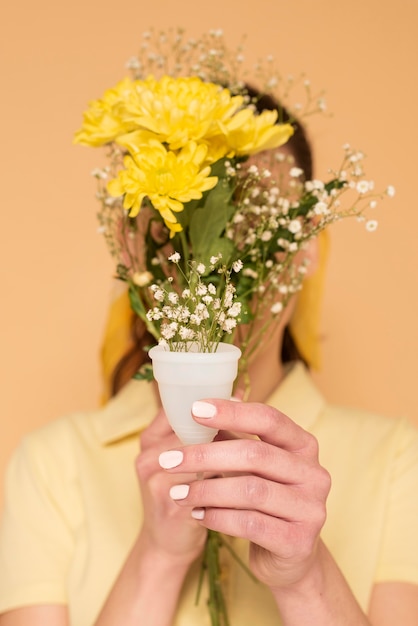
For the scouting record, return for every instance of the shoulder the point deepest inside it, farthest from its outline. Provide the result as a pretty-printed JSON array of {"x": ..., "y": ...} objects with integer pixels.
[
  {"x": 368, "y": 443},
  {"x": 359, "y": 423},
  {"x": 59, "y": 446}
]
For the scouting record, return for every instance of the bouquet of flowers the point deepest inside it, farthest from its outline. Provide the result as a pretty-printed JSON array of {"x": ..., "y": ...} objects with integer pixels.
[{"x": 203, "y": 207}]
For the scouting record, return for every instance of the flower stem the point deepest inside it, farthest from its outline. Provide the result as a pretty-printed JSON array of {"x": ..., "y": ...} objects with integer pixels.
[{"x": 211, "y": 566}]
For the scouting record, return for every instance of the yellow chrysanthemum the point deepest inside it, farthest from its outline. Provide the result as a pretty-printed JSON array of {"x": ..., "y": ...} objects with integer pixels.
[
  {"x": 179, "y": 110},
  {"x": 168, "y": 179},
  {"x": 106, "y": 119},
  {"x": 249, "y": 133}
]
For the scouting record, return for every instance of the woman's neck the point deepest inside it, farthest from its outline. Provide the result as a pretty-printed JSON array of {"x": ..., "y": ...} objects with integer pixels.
[{"x": 265, "y": 369}]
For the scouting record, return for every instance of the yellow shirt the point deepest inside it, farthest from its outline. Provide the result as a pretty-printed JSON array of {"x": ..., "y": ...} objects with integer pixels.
[{"x": 73, "y": 508}]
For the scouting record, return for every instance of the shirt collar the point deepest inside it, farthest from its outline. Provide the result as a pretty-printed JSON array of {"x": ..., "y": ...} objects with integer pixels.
[
  {"x": 127, "y": 413},
  {"x": 135, "y": 406},
  {"x": 298, "y": 397}
]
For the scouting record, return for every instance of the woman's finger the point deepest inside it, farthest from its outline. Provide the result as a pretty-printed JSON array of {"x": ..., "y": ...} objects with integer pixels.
[
  {"x": 269, "y": 424},
  {"x": 238, "y": 456},
  {"x": 244, "y": 492}
]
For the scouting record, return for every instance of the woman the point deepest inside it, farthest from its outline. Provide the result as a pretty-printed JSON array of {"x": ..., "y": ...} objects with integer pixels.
[{"x": 90, "y": 537}]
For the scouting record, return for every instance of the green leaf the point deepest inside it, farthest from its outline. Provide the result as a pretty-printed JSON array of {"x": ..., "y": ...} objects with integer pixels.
[
  {"x": 208, "y": 223},
  {"x": 136, "y": 302},
  {"x": 145, "y": 372}
]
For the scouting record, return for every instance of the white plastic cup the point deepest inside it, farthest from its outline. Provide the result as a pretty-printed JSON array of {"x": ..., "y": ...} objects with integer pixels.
[{"x": 184, "y": 377}]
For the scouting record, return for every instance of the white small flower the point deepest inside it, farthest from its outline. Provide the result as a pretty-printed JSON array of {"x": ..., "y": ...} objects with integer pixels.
[
  {"x": 142, "y": 278},
  {"x": 187, "y": 334},
  {"x": 363, "y": 186},
  {"x": 201, "y": 268},
  {"x": 159, "y": 295},
  {"x": 266, "y": 236},
  {"x": 229, "y": 324},
  {"x": 133, "y": 63},
  {"x": 235, "y": 309},
  {"x": 390, "y": 191},
  {"x": 294, "y": 226},
  {"x": 201, "y": 289},
  {"x": 320, "y": 208},
  {"x": 237, "y": 266},
  {"x": 175, "y": 257},
  {"x": 371, "y": 225},
  {"x": 196, "y": 319},
  {"x": 295, "y": 172},
  {"x": 276, "y": 308},
  {"x": 250, "y": 273},
  {"x": 322, "y": 105},
  {"x": 98, "y": 172},
  {"x": 173, "y": 297},
  {"x": 272, "y": 83}
]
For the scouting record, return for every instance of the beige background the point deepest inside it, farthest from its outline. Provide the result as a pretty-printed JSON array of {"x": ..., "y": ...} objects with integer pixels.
[{"x": 55, "y": 271}]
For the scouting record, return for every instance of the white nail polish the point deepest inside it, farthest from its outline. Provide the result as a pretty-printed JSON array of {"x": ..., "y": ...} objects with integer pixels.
[
  {"x": 179, "y": 492},
  {"x": 203, "y": 409},
  {"x": 198, "y": 514},
  {"x": 170, "y": 459}
]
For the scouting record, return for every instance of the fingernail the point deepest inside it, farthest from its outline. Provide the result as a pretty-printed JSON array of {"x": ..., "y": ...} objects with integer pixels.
[
  {"x": 170, "y": 459},
  {"x": 179, "y": 492},
  {"x": 198, "y": 514},
  {"x": 203, "y": 409}
]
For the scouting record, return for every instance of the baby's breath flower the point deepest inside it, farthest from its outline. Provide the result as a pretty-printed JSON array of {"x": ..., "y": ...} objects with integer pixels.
[
  {"x": 276, "y": 308},
  {"x": 201, "y": 289},
  {"x": 371, "y": 225},
  {"x": 295, "y": 226},
  {"x": 363, "y": 186},
  {"x": 173, "y": 297},
  {"x": 235, "y": 309},
  {"x": 158, "y": 294},
  {"x": 141, "y": 279},
  {"x": 237, "y": 266},
  {"x": 266, "y": 236},
  {"x": 187, "y": 334},
  {"x": 295, "y": 172},
  {"x": 175, "y": 257},
  {"x": 228, "y": 324},
  {"x": 250, "y": 273}
]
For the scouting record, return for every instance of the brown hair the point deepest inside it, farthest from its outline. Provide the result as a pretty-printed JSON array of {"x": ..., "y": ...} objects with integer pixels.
[{"x": 136, "y": 355}]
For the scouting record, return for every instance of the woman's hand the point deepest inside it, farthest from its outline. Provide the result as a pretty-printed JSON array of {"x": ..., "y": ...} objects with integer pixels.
[
  {"x": 273, "y": 490},
  {"x": 168, "y": 529}
]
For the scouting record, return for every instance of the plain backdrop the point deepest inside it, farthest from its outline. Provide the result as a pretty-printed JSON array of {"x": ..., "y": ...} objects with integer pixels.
[{"x": 55, "y": 269}]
